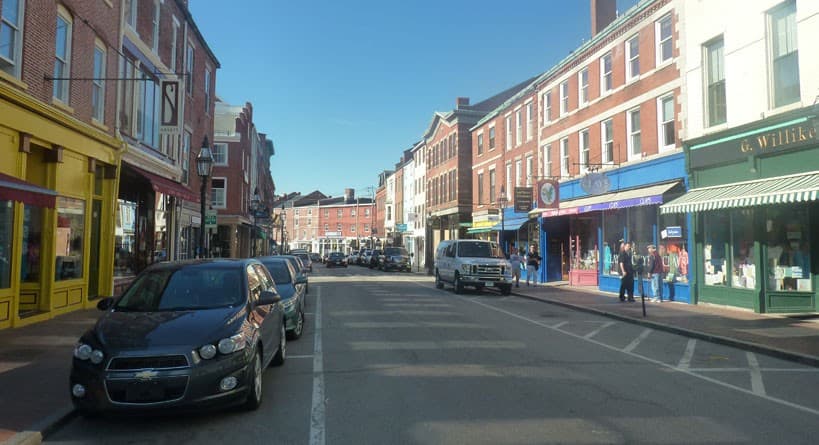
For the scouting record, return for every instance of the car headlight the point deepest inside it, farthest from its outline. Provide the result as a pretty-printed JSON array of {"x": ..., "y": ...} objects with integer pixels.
[
  {"x": 466, "y": 268},
  {"x": 232, "y": 344},
  {"x": 84, "y": 351},
  {"x": 207, "y": 352}
]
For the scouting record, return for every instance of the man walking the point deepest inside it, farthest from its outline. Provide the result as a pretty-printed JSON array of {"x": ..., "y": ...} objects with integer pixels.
[
  {"x": 655, "y": 268},
  {"x": 532, "y": 264},
  {"x": 626, "y": 273},
  {"x": 516, "y": 259}
]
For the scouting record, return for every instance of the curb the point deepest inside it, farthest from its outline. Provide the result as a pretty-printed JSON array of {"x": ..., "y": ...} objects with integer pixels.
[
  {"x": 741, "y": 344},
  {"x": 43, "y": 428}
]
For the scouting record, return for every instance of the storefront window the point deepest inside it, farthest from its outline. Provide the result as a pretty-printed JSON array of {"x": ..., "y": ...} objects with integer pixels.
[
  {"x": 70, "y": 236},
  {"x": 743, "y": 270},
  {"x": 641, "y": 223},
  {"x": 6, "y": 225},
  {"x": 585, "y": 250},
  {"x": 125, "y": 247},
  {"x": 717, "y": 229},
  {"x": 788, "y": 249},
  {"x": 32, "y": 234},
  {"x": 614, "y": 223},
  {"x": 672, "y": 248}
]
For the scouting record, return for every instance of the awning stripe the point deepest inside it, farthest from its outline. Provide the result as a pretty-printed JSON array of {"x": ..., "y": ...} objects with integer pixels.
[{"x": 784, "y": 189}]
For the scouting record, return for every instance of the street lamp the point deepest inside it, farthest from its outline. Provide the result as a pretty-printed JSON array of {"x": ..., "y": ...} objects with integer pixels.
[
  {"x": 502, "y": 200},
  {"x": 255, "y": 204},
  {"x": 204, "y": 167}
]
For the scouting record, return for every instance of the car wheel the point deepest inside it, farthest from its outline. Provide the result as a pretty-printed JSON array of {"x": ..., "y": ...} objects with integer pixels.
[
  {"x": 297, "y": 331},
  {"x": 281, "y": 354},
  {"x": 506, "y": 290},
  {"x": 459, "y": 287},
  {"x": 438, "y": 283},
  {"x": 254, "y": 395}
]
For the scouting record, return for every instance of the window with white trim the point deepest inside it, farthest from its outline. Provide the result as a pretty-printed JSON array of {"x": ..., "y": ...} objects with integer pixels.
[
  {"x": 155, "y": 27},
  {"x": 480, "y": 143},
  {"x": 519, "y": 127},
  {"x": 607, "y": 141},
  {"x": 98, "y": 84},
  {"x": 564, "y": 97},
  {"x": 784, "y": 50},
  {"x": 547, "y": 160},
  {"x": 583, "y": 150},
  {"x": 606, "y": 82},
  {"x": 530, "y": 121},
  {"x": 131, "y": 7},
  {"x": 635, "y": 146},
  {"x": 326, "y": 213},
  {"x": 716, "y": 106},
  {"x": 530, "y": 164},
  {"x": 564, "y": 157},
  {"x": 309, "y": 221},
  {"x": 207, "y": 91},
  {"x": 62, "y": 56},
  {"x": 326, "y": 227},
  {"x": 508, "y": 179},
  {"x": 480, "y": 189},
  {"x": 633, "y": 57},
  {"x": 11, "y": 33},
  {"x": 547, "y": 106},
  {"x": 583, "y": 89},
  {"x": 366, "y": 228},
  {"x": 186, "y": 155},
  {"x": 218, "y": 193},
  {"x": 352, "y": 228},
  {"x": 338, "y": 227},
  {"x": 220, "y": 154},
  {"x": 518, "y": 173},
  {"x": 509, "y": 132},
  {"x": 492, "y": 138},
  {"x": 352, "y": 212},
  {"x": 189, "y": 69},
  {"x": 339, "y": 213},
  {"x": 665, "y": 117},
  {"x": 174, "y": 43},
  {"x": 663, "y": 37},
  {"x": 492, "y": 180}
]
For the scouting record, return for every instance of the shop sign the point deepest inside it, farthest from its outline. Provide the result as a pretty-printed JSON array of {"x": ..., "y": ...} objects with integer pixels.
[
  {"x": 623, "y": 203},
  {"x": 595, "y": 183},
  {"x": 401, "y": 227},
  {"x": 548, "y": 194},
  {"x": 332, "y": 233},
  {"x": 523, "y": 199},
  {"x": 169, "y": 111},
  {"x": 784, "y": 138},
  {"x": 671, "y": 232}
]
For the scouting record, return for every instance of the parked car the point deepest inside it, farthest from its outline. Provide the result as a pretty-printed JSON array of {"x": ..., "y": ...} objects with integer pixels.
[
  {"x": 336, "y": 259},
  {"x": 396, "y": 258},
  {"x": 184, "y": 334},
  {"x": 315, "y": 257},
  {"x": 474, "y": 263},
  {"x": 305, "y": 259},
  {"x": 291, "y": 288},
  {"x": 372, "y": 261},
  {"x": 300, "y": 270}
]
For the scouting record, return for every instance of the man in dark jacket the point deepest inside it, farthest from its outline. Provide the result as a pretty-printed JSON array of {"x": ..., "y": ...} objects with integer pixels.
[
  {"x": 532, "y": 265},
  {"x": 655, "y": 269},
  {"x": 626, "y": 273}
]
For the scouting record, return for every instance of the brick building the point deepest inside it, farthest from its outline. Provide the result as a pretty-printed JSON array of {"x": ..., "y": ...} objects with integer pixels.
[{"x": 344, "y": 224}]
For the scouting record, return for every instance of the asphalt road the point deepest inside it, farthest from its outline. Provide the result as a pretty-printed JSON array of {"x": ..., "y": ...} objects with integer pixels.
[{"x": 388, "y": 359}]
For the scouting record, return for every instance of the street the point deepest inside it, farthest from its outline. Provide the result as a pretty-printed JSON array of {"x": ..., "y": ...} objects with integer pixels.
[{"x": 387, "y": 358}]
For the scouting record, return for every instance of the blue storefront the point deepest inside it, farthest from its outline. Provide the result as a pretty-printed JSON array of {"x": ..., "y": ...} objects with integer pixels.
[{"x": 581, "y": 237}]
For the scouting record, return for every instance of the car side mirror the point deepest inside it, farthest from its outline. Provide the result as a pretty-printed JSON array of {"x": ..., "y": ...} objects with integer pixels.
[
  {"x": 105, "y": 304},
  {"x": 269, "y": 297},
  {"x": 301, "y": 279}
]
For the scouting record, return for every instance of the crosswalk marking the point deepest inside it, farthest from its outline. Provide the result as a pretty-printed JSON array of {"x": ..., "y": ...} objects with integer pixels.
[
  {"x": 757, "y": 386},
  {"x": 631, "y": 346},
  {"x": 597, "y": 331},
  {"x": 685, "y": 361}
]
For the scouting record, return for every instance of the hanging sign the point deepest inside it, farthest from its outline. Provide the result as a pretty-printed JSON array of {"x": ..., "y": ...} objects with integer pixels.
[
  {"x": 523, "y": 199},
  {"x": 169, "y": 110},
  {"x": 595, "y": 183},
  {"x": 548, "y": 194}
]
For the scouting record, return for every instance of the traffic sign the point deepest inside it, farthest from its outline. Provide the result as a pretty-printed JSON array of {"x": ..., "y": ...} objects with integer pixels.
[{"x": 210, "y": 219}]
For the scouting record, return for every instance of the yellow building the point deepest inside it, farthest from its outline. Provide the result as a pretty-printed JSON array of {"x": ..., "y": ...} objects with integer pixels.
[{"x": 59, "y": 178}]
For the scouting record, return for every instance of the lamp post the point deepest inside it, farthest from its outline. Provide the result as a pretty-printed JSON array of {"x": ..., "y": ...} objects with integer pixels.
[
  {"x": 204, "y": 167},
  {"x": 502, "y": 200},
  {"x": 255, "y": 203}
]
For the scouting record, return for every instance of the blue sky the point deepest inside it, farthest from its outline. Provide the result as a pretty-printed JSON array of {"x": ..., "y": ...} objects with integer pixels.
[{"x": 342, "y": 87}]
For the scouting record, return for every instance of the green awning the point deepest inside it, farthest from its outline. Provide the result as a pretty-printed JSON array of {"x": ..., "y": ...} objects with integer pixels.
[{"x": 801, "y": 187}]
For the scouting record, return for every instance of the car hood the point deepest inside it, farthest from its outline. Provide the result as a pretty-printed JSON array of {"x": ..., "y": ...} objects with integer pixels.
[
  {"x": 140, "y": 330},
  {"x": 485, "y": 261}
]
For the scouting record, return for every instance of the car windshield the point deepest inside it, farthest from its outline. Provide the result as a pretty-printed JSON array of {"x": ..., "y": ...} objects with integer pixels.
[
  {"x": 336, "y": 255},
  {"x": 395, "y": 251},
  {"x": 478, "y": 249},
  {"x": 303, "y": 256},
  {"x": 196, "y": 287},
  {"x": 279, "y": 271}
]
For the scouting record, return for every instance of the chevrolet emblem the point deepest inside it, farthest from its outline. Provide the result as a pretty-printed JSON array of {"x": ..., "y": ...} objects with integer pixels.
[{"x": 148, "y": 374}]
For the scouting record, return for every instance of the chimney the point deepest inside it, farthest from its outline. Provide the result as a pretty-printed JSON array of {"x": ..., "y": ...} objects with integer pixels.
[
  {"x": 349, "y": 195},
  {"x": 603, "y": 12},
  {"x": 461, "y": 102}
]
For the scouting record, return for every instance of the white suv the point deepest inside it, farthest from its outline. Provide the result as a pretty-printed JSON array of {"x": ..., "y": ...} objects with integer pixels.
[{"x": 474, "y": 263}]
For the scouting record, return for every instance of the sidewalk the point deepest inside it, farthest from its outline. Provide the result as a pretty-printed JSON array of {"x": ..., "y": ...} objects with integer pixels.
[
  {"x": 35, "y": 360},
  {"x": 791, "y": 337}
]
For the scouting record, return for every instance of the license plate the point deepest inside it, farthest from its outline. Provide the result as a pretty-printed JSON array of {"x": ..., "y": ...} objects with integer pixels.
[
  {"x": 490, "y": 284},
  {"x": 139, "y": 392}
]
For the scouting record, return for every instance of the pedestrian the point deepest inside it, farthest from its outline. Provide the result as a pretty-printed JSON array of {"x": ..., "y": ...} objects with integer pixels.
[
  {"x": 532, "y": 264},
  {"x": 515, "y": 259},
  {"x": 655, "y": 270},
  {"x": 626, "y": 273}
]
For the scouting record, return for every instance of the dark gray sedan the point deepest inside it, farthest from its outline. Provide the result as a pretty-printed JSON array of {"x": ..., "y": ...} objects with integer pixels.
[
  {"x": 291, "y": 287},
  {"x": 184, "y": 334}
]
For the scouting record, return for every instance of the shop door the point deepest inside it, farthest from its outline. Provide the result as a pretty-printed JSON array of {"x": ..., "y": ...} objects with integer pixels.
[{"x": 94, "y": 258}]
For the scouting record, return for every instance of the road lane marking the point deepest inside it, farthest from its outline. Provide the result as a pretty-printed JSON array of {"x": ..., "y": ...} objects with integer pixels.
[
  {"x": 428, "y": 345},
  {"x": 797, "y": 370},
  {"x": 659, "y": 363},
  {"x": 396, "y": 312},
  {"x": 631, "y": 346},
  {"x": 300, "y": 356},
  {"x": 757, "y": 385},
  {"x": 409, "y": 324},
  {"x": 318, "y": 409},
  {"x": 597, "y": 331},
  {"x": 558, "y": 326},
  {"x": 417, "y": 305},
  {"x": 685, "y": 361}
]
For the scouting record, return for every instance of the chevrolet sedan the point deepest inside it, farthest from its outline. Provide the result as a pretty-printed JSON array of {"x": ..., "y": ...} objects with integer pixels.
[{"x": 185, "y": 334}]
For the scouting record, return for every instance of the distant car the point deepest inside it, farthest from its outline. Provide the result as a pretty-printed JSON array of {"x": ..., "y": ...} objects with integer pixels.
[
  {"x": 291, "y": 288},
  {"x": 300, "y": 269},
  {"x": 336, "y": 259},
  {"x": 305, "y": 258},
  {"x": 184, "y": 334},
  {"x": 364, "y": 257},
  {"x": 372, "y": 262},
  {"x": 315, "y": 257},
  {"x": 396, "y": 258}
]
